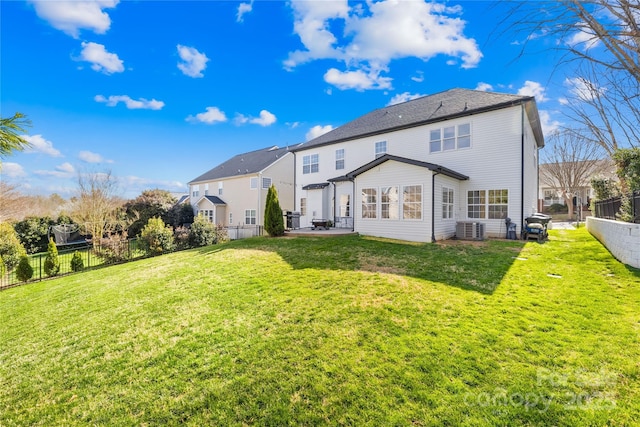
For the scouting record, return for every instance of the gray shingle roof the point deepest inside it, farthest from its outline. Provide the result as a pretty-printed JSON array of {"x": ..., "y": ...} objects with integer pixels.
[
  {"x": 428, "y": 109},
  {"x": 243, "y": 164},
  {"x": 431, "y": 166},
  {"x": 215, "y": 200}
]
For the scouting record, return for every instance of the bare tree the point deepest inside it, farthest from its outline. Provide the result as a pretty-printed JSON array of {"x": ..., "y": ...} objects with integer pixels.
[
  {"x": 568, "y": 163},
  {"x": 96, "y": 206},
  {"x": 13, "y": 204},
  {"x": 602, "y": 39}
]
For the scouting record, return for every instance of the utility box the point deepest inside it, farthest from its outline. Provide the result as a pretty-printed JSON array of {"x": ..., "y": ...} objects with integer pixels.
[
  {"x": 469, "y": 230},
  {"x": 293, "y": 220}
]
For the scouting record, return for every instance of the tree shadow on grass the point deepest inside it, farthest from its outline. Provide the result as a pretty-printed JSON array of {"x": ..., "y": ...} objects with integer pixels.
[{"x": 477, "y": 266}]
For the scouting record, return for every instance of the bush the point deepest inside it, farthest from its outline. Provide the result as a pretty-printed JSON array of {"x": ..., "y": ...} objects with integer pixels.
[
  {"x": 203, "y": 233},
  {"x": 10, "y": 247},
  {"x": 33, "y": 232},
  {"x": 76, "y": 262},
  {"x": 156, "y": 238},
  {"x": 2, "y": 268},
  {"x": 558, "y": 208},
  {"x": 51, "y": 261},
  {"x": 24, "y": 272},
  {"x": 113, "y": 249},
  {"x": 181, "y": 238},
  {"x": 273, "y": 218}
]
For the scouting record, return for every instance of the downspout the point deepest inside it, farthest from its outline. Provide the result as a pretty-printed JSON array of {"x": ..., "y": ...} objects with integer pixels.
[
  {"x": 259, "y": 210},
  {"x": 433, "y": 204},
  {"x": 353, "y": 205},
  {"x": 295, "y": 173},
  {"x": 334, "y": 204},
  {"x": 521, "y": 168}
]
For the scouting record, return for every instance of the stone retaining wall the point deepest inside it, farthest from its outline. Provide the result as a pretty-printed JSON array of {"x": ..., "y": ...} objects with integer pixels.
[{"x": 621, "y": 238}]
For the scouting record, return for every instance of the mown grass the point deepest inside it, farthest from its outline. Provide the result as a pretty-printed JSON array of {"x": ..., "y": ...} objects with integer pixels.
[{"x": 347, "y": 330}]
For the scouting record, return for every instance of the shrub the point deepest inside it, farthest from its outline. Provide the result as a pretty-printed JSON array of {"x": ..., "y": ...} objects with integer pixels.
[
  {"x": 33, "y": 232},
  {"x": 76, "y": 262},
  {"x": 24, "y": 271},
  {"x": 2, "y": 268},
  {"x": 113, "y": 249},
  {"x": 51, "y": 261},
  {"x": 221, "y": 234},
  {"x": 156, "y": 238},
  {"x": 557, "y": 208},
  {"x": 203, "y": 233},
  {"x": 273, "y": 219},
  {"x": 181, "y": 238},
  {"x": 10, "y": 247}
]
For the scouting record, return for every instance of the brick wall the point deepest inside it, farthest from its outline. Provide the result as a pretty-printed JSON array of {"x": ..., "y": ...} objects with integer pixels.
[{"x": 621, "y": 238}]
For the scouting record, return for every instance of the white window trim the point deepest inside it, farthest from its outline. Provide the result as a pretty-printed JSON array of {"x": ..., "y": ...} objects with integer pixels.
[
  {"x": 456, "y": 138},
  {"x": 378, "y": 153}
]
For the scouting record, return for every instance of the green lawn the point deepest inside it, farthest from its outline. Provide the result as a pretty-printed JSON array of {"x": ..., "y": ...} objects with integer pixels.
[{"x": 345, "y": 330}]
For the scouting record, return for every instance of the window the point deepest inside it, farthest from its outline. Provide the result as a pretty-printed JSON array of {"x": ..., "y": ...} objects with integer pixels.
[
  {"x": 208, "y": 214},
  {"x": 450, "y": 138},
  {"x": 195, "y": 191},
  {"x": 206, "y": 189},
  {"x": 266, "y": 183},
  {"x": 345, "y": 200},
  {"x": 381, "y": 148},
  {"x": 389, "y": 202},
  {"x": 340, "y": 159},
  {"x": 369, "y": 201},
  {"x": 303, "y": 206},
  {"x": 447, "y": 203},
  {"x": 434, "y": 141},
  {"x": 250, "y": 217},
  {"x": 230, "y": 218},
  {"x": 220, "y": 189},
  {"x": 310, "y": 164},
  {"x": 253, "y": 183},
  {"x": 464, "y": 135},
  {"x": 412, "y": 202},
  {"x": 498, "y": 204},
  {"x": 476, "y": 200}
]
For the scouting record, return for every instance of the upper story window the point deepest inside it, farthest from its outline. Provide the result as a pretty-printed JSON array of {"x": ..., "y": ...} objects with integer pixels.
[
  {"x": 381, "y": 148},
  {"x": 340, "y": 159},
  {"x": 310, "y": 164},
  {"x": 195, "y": 191},
  {"x": 253, "y": 183},
  {"x": 450, "y": 138},
  {"x": 266, "y": 183},
  {"x": 220, "y": 188}
]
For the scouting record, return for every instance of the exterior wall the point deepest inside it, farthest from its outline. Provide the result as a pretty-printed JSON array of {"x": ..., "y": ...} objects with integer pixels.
[
  {"x": 388, "y": 174},
  {"x": 446, "y": 228},
  {"x": 492, "y": 162},
  {"x": 281, "y": 174},
  {"x": 621, "y": 238}
]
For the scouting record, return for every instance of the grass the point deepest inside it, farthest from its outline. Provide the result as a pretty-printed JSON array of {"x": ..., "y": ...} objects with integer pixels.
[{"x": 340, "y": 331}]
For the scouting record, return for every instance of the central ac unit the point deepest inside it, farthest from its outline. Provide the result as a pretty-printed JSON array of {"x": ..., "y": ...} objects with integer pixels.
[{"x": 469, "y": 230}]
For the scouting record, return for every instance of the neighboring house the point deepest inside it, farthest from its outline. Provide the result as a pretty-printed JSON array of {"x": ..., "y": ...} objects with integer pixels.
[
  {"x": 234, "y": 192},
  {"x": 411, "y": 171},
  {"x": 576, "y": 177}
]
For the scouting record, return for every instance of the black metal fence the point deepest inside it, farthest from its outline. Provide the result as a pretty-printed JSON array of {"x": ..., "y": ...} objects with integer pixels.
[
  {"x": 109, "y": 253},
  {"x": 610, "y": 208}
]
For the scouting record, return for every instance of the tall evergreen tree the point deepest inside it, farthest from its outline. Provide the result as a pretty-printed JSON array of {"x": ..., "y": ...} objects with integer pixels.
[
  {"x": 273, "y": 219},
  {"x": 51, "y": 261}
]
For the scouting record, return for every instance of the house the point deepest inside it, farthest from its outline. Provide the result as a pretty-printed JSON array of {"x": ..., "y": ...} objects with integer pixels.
[
  {"x": 413, "y": 170},
  {"x": 234, "y": 193},
  {"x": 573, "y": 180}
]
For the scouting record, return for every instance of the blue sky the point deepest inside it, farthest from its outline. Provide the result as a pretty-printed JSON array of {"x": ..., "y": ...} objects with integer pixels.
[{"x": 159, "y": 92}]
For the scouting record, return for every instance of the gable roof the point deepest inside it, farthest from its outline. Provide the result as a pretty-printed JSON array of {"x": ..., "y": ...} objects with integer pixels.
[
  {"x": 431, "y": 166},
  {"x": 434, "y": 108},
  {"x": 244, "y": 164}
]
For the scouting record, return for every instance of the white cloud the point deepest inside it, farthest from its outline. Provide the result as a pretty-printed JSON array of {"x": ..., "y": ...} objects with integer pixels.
[
  {"x": 65, "y": 170},
  {"x": 403, "y": 97},
  {"x": 71, "y": 16},
  {"x": 131, "y": 104},
  {"x": 583, "y": 37},
  {"x": 385, "y": 31},
  {"x": 549, "y": 126},
  {"x": 100, "y": 59},
  {"x": 242, "y": 9},
  {"x": 212, "y": 115},
  {"x": 583, "y": 89},
  {"x": 12, "y": 170},
  {"x": 135, "y": 184},
  {"x": 359, "y": 79},
  {"x": 193, "y": 62},
  {"x": 419, "y": 78},
  {"x": 40, "y": 145},
  {"x": 266, "y": 119},
  {"x": 534, "y": 89},
  {"x": 317, "y": 131},
  {"x": 484, "y": 87},
  {"x": 91, "y": 157}
]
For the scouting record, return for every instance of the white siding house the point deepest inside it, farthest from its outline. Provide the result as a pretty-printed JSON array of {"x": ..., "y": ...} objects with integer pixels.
[
  {"x": 486, "y": 142},
  {"x": 234, "y": 193}
]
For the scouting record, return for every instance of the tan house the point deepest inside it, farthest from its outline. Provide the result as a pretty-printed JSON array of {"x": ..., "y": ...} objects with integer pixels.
[{"x": 233, "y": 193}]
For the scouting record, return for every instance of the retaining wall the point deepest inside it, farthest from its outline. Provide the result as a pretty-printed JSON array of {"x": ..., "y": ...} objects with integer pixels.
[{"x": 621, "y": 238}]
